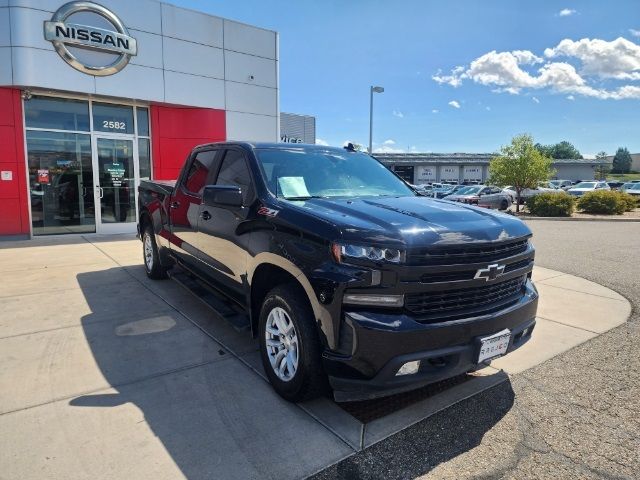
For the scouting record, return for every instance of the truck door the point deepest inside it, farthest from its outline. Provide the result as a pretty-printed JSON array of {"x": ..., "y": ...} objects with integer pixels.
[
  {"x": 185, "y": 204},
  {"x": 222, "y": 247}
]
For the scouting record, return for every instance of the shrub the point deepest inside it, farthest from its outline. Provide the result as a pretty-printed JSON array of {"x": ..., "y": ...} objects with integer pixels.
[
  {"x": 604, "y": 201},
  {"x": 551, "y": 205},
  {"x": 630, "y": 201}
]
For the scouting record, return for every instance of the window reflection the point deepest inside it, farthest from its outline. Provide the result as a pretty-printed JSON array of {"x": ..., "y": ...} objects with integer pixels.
[{"x": 60, "y": 183}]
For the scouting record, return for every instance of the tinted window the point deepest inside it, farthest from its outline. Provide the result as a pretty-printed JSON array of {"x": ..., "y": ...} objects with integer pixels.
[
  {"x": 57, "y": 114},
  {"x": 197, "y": 176},
  {"x": 234, "y": 171},
  {"x": 112, "y": 118},
  {"x": 142, "y": 117},
  {"x": 144, "y": 158}
]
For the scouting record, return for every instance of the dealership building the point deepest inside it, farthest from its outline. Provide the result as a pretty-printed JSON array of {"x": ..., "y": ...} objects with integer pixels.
[
  {"x": 95, "y": 97},
  {"x": 421, "y": 168}
]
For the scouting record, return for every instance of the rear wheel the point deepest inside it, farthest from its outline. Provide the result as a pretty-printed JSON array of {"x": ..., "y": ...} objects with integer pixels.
[
  {"x": 290, "y": 346},
  {"x": 151, "y": 256},
  {"x": 504, "y": 205}
]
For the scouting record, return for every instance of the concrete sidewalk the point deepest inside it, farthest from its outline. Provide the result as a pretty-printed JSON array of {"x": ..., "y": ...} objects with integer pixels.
[{"x": 106, "y": 374}]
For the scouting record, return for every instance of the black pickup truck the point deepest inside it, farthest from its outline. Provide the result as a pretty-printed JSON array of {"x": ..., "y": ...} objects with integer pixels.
[{"x": 349, "y": 279}]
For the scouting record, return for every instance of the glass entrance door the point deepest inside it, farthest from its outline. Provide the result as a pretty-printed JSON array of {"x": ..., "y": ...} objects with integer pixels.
[{"x": 116, "y": 179}]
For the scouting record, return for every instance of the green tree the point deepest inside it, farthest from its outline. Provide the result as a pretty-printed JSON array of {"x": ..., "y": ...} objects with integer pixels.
[
  {"x": 563, "y": 149},
  {"x": 621, "y": 161},
  {"x": 520, "y": 164},
  {"x": 603, "y": 168}
]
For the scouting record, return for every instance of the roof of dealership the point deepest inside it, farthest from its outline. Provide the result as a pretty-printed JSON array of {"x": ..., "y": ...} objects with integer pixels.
[{"x": 465, "y": 158}]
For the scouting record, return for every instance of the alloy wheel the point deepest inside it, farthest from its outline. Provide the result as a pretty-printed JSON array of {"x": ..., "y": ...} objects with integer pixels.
[{"x": 282, "y": 344}]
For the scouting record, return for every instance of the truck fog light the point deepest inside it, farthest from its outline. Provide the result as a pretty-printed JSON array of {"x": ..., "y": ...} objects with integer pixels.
[
  {"x": 374, "y": 300},
  {"x": 409, "y": 368}
]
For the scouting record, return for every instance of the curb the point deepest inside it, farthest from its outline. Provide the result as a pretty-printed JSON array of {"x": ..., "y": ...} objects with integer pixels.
[{"x": 580, "y": 219}]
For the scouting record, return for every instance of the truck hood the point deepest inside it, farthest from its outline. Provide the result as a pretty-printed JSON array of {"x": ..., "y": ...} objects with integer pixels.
[{"x": 412, "y": 221}]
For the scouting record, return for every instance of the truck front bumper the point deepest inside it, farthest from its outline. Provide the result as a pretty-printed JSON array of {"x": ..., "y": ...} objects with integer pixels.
[{"x": 384, "y": 342}]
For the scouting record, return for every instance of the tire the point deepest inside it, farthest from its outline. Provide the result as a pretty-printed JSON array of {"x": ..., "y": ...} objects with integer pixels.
[
  {"x": 287, "y": 304},
  {"x": 504, "y": 205},
  {"x": 151, "y": 257}
]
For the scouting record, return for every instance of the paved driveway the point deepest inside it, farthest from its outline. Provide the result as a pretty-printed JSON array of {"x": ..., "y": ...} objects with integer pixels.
[
  {"x": 101, "y": 378},
  {"x": 575, "y": 416}
]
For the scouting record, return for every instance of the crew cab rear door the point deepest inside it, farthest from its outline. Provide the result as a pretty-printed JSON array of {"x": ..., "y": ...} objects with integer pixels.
[
  {"x": 223, "y": 247},
  {"x": 185, "y": 202}
]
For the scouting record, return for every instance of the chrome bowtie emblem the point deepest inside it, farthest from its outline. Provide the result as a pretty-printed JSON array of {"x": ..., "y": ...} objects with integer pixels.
[{"x": 490, "y": 273}]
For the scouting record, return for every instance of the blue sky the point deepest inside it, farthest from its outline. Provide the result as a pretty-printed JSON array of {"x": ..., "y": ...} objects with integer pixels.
[{"x": 588, "y": 91}]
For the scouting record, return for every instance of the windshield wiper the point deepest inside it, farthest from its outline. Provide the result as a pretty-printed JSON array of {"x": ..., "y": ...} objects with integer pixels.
[{"x": 307, "y": 197}]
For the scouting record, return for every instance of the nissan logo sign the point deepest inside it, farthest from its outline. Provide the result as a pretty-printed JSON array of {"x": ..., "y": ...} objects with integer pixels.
[{"x": 90, "y": 38}]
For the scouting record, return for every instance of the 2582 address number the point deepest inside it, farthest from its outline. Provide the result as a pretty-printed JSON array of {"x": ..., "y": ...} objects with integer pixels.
[{"x": 111, "y": 125}]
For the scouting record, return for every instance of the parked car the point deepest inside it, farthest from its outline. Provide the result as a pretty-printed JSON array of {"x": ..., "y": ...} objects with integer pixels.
[
  {"x": 528, "y": 192},
  {"x": 483, "y": 196},
  {"x": 345, "y": 275},
  {"x": 584, "y": 187},
  {"x": 562, "y": 184},
  {"x": 615, "y": 185},
  {"x": 631, "y": 188},
  {"x": 446, "y": 190}
]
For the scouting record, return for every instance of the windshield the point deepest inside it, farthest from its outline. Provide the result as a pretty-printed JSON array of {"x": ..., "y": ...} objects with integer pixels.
[
  {"x": 468, "y": 190},
  {"x": 299, "y": 174},
  {"x": 585, "y": 185}
]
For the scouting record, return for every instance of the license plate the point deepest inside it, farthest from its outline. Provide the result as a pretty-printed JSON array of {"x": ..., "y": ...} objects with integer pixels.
[{"x": 494, "y": 346}]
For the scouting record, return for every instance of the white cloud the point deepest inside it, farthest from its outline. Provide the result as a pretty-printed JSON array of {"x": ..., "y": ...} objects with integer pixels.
[
  {"x": 599, "y": 59},
  {"x": 571, "y": 97},
  {"x": 398, "y": 113},
  {"x": 635, "y": 33},
  {"x": 565, "y": 12},
  {"x": 619, "y": 59},
  {"x": 454, "y": 80},
  {"x": 387, "y": 149},
  {"x": 454, "y": 104},
  {"x": 488, "y": 109},
  {"x": 535, "y": 99},
  {"x": 435, "y": 110},
  {"x": 322, "y": 142},
  {"x": 389, "y": 142}
]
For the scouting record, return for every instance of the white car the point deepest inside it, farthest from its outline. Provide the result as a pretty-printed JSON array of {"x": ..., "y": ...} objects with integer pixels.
[
  {"x": 585, "y": 187},
  {"x": 529, "y": 192}
]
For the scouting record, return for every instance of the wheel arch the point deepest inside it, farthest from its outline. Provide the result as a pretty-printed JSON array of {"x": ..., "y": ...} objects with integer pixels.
[{"x": 270, "y": 270}]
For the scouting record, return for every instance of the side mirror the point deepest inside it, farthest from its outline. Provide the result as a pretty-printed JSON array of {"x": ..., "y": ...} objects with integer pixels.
[{"x": 222, "y": 195}]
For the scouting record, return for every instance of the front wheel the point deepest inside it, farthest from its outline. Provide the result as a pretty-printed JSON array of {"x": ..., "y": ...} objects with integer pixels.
[
  {"x": 290, "y": 346},
  {"x": 504, "y": 205},
  {"x": 151, "y": 256}
]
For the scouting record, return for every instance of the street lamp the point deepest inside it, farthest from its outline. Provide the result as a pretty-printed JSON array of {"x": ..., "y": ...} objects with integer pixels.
[{"x": 371, "y": 92}]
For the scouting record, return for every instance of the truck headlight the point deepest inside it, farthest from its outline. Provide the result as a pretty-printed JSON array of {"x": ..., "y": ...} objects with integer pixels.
[{"x": 376, "y": 254}]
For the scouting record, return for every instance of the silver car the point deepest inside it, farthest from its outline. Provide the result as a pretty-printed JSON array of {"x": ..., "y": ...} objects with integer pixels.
[{"x": 483, "y": 196}]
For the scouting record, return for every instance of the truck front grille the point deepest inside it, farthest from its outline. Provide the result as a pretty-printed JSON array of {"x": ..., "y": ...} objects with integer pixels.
[
  {"x": 464, "y": 301},
  {"x": 485, "y": 252}
]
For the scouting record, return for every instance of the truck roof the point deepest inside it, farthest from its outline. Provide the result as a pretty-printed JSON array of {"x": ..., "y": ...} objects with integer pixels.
[{"x": 276, "y": 146}]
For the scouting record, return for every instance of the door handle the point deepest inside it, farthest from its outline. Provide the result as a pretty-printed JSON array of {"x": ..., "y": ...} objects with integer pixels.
[
  {"x": 174, "y": 205},
  {"x": 101, "y": 192},
  {"x": 206, "y": 215}
]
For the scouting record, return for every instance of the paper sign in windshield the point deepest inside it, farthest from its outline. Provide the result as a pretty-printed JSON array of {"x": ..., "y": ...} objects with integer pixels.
[{"x": 293, "y": 187}]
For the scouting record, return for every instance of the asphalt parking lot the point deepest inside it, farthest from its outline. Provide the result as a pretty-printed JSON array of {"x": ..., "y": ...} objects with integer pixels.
[
  {"x": 574, "y": 416},
  {"x": 107, "y": 374}
]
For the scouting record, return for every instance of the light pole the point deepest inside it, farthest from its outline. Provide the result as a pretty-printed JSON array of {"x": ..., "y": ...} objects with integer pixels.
[{"x": 372, "y": 90}]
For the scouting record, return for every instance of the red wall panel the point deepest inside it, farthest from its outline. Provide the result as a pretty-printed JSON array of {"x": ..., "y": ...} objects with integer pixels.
[
  {"x": 176, "y": 130},
  {"x": 14, "y": 213}
]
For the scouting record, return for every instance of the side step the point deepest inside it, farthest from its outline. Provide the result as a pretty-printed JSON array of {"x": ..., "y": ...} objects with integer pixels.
[{"x": 214, "y": 300}]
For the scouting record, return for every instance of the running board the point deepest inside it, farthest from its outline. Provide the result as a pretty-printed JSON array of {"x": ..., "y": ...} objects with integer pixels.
[{"x": 211, "y": 298}]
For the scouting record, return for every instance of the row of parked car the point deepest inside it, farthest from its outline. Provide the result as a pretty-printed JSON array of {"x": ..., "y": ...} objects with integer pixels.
[{"x": 502, "y": 198}]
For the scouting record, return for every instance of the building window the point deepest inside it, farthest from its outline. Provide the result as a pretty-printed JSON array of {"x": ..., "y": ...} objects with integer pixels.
[{"x": 57, "y": 114}]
